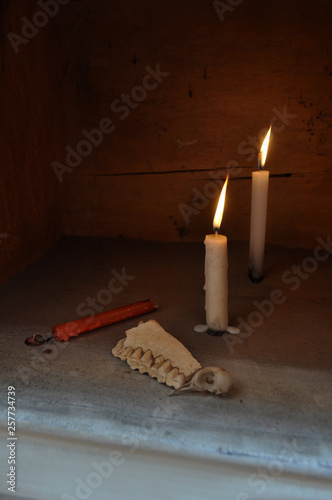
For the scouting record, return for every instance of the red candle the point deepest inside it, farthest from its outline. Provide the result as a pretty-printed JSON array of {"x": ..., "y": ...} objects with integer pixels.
[{"x": 78, "y": 326}]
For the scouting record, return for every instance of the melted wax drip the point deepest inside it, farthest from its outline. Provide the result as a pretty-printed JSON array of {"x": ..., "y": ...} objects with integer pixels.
[{"x": 204, "y": 328}]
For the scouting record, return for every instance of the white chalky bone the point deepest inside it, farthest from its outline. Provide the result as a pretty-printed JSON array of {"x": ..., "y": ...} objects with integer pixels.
[{"x": 150, "y": 349}]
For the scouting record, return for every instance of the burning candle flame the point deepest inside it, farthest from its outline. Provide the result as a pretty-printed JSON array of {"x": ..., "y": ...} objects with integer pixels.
[
  {"x": 220, "y": 208},
  {"x": 263, "y": 152}
]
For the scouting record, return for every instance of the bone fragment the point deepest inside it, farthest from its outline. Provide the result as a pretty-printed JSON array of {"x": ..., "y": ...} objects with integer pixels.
[{"x": 150, "y": 349}]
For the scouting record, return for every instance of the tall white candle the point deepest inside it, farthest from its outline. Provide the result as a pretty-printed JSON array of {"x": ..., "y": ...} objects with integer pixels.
[
  {"x": 216, "y": 273},
  {"x": 259, "y": 197}
]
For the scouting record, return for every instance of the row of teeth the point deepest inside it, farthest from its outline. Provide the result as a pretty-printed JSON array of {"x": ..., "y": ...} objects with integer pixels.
[{"x": 159, "y": 367}]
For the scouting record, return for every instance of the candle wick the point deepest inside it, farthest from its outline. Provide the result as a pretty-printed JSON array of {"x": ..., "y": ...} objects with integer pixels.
[
  {"x": 259, "y": 161},
  {"x": 216, "y": 232}
]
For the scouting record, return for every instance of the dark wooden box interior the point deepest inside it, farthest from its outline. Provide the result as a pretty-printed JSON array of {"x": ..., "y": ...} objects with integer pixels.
[
  {"x": 120, "y": 120},
  {"x": 230, "y": 72}
]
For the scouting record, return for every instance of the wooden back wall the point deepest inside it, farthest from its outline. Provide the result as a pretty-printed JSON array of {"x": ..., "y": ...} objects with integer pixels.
[{"x": 175, "y": 94}]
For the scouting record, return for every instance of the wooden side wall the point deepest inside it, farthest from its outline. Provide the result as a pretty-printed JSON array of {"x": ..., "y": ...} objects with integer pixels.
[{"x": 32, "y": 116}]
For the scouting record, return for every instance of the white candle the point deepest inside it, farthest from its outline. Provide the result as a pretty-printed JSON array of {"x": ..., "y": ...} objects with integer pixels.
[
  {"x": 216, "y": 282},
  {"x": 216, "y": 273},
  {"x": 259, "y": 197}
]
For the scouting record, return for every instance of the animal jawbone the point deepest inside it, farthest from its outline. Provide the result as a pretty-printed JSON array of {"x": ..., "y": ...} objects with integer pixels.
[{"x": 150, "y": 349}]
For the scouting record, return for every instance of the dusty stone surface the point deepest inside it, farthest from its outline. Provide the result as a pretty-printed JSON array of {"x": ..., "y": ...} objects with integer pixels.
[{"x": 280, "y": 404}]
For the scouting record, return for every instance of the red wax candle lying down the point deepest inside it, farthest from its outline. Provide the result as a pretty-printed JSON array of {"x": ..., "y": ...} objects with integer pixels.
[{"x": 78, "y": 326}]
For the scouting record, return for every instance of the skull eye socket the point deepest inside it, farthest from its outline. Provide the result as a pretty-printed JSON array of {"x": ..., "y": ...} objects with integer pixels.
[{"x": 209, "y": 380}]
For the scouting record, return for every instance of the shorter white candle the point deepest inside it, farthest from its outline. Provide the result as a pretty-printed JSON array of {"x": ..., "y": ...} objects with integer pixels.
[
  {"x": 216, "y": 273},
  {"x": 259, "y": 197},
  {"x": 216, "y": 282}
]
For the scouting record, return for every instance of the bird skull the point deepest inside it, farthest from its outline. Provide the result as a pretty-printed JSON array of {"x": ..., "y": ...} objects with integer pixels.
[{"x": 211, "y": 378}]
